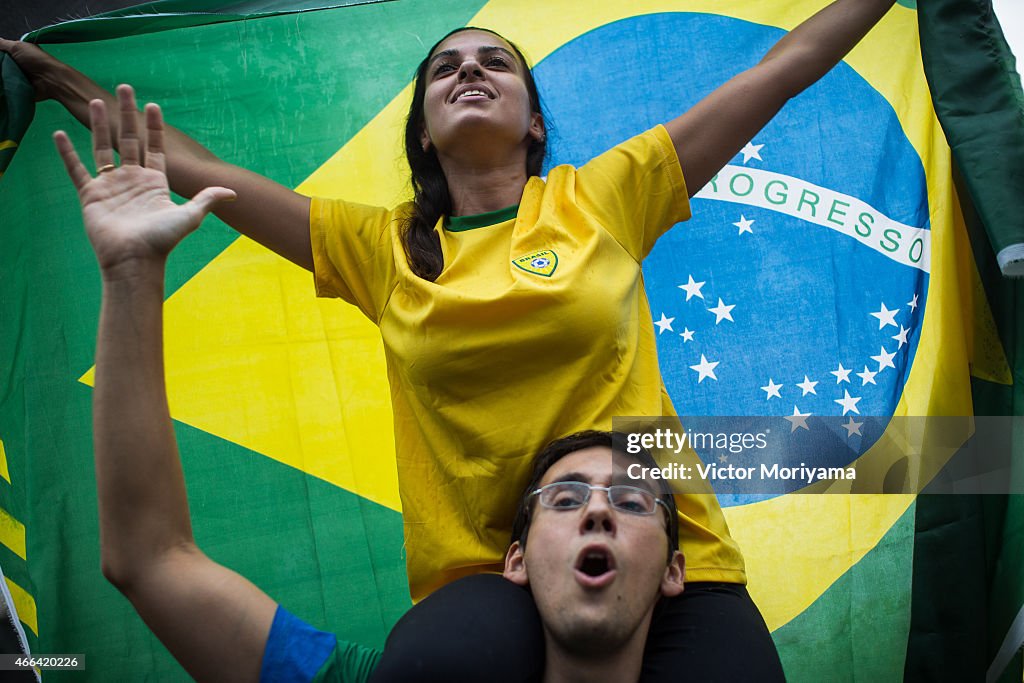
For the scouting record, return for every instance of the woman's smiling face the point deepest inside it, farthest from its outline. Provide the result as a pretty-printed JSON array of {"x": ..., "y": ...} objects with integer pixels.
[{"x": 476, "y": 93}]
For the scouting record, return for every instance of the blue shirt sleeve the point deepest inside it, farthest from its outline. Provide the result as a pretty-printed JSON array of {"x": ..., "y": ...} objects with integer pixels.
[{"x": 295, "y": 651}]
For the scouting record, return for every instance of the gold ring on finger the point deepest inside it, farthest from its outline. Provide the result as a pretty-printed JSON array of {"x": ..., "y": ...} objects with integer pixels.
[{"x": 104, "y": 168}]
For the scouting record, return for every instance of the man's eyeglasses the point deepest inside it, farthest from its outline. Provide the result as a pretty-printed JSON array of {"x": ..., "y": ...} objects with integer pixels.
[{"x": 571, "y": 495}]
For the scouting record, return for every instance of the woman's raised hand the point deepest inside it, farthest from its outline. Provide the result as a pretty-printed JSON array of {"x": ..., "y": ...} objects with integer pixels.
[{"x": 128, "y": 213}]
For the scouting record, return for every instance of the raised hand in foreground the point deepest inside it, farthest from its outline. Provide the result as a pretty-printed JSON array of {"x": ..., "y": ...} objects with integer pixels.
[
  {"x": 128, "y": 213},
  {"x": 211, "y": 619}
]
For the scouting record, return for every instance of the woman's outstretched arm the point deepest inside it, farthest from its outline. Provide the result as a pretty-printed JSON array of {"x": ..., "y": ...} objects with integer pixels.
[
  {"x": 711, "y": 133},
  {"x": 213, "y": 621},
  {"x": 268, "y": 212}
]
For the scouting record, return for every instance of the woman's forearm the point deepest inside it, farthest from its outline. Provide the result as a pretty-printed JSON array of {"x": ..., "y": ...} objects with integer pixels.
[
  {"x": 74, "y": 90},
  {"x": 273, "y": 215},
  {"x": 811, "y": 49},
  {"x": 717, "y": 127}
]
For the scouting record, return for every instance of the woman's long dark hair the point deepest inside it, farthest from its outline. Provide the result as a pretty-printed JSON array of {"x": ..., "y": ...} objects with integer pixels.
[{"x": 431, "y": 198}]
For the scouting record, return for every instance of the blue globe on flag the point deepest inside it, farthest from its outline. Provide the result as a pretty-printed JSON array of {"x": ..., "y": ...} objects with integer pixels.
[{"x": 799, "y": 286}]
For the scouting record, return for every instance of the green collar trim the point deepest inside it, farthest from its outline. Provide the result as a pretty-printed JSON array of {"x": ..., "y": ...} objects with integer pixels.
[{"x": 480, "y": 220}]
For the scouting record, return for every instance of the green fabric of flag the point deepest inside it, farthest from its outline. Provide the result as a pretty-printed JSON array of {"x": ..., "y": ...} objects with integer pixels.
[
  {"x": 878, "y": 587},
  {"x": 262, "y": 85},
  {"x": 968, "y": 605},
  {"x": 967, "y": 615},
  {"x": 166, "y": 15},
  {"x": 977, "y": 94}
]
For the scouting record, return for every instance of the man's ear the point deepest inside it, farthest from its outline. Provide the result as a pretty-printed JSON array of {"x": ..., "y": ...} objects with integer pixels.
[
  {"x": 672, "y": 582},
  {"x": 515, "y": 565}
]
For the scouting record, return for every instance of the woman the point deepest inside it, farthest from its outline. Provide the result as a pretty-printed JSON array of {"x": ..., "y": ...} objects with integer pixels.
[{"x": 512, "y": 308}]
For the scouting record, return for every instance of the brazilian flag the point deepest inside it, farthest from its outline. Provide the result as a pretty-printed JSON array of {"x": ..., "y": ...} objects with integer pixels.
[{"x": 841, "y": 265}]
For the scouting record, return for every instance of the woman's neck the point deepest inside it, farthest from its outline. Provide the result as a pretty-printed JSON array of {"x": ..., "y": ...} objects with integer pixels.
[{"x": 481, "y": 188}]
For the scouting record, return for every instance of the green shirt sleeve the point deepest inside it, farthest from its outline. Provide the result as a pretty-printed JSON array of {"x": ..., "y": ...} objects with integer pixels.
[{"x": 348, "y": 663}]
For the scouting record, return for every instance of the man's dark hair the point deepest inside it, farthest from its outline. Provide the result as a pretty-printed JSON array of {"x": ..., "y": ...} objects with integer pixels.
[{"x": 558, "y": 449}]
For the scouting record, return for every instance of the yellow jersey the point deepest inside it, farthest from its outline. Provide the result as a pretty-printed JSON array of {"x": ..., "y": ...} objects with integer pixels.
[{"x": 537, "y": 327}]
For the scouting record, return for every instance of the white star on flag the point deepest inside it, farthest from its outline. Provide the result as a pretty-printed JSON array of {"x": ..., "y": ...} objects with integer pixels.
[
  {"x": 885, "y": 317},
  {"x": 744, "y": 225},
  {"x": 705, "y": 369},
  {"x": 849, "y": 403},
  {"x": 772, "y": 389},
  {"x": 686, "y": 334},
  {"x": 884, "y": 359},
  {"x": 913, "y": 303},
  {"x": 664, "y": 324},
  {"x": 692, "y": 289},
  {"x": 722, "y": 312},
  {"x": 901, "y": 337},
  {"x": 842, "y": 374},
  {"x": 751, "y": 151},
  {"x": 852, "y": 428},
  {"x": 808, "y": 386},
  {"x": 723, "y": 458},
  {"x": 797, "y": 420},
  {"x": 867, "y": 377}
]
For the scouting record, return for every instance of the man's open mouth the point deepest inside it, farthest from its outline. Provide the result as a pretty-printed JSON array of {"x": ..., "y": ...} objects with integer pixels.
[
  {"x": 594, "y": 563},
  {"x": 595, "y": 566}
]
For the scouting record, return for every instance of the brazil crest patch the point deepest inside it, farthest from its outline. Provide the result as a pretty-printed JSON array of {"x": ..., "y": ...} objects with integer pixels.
[{"x": 539, "y": 262}]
